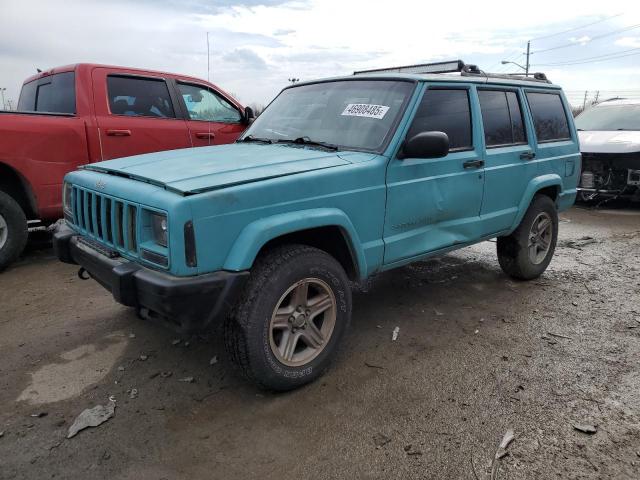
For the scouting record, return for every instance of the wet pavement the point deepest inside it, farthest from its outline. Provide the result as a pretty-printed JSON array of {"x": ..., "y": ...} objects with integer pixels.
[{"x": 477, "y": 354}]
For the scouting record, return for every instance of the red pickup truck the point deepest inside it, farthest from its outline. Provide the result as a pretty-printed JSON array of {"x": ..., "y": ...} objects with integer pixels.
[{"x": 84, "y": 113}]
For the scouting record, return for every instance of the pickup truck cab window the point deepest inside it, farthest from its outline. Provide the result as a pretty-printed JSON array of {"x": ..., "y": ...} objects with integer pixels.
[
  {"x": 203, "y": 104},
  {"x": 51, "y": 94},
  {"x": 143, "y": 97},
  {"x": 352, "y": 115}
]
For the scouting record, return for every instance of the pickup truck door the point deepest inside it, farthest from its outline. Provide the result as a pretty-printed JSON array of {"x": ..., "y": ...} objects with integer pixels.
[
  {"x": 136, "y": 114},
  {"x": 212, "y": 119},
  {"x": 435, "y": 203}
]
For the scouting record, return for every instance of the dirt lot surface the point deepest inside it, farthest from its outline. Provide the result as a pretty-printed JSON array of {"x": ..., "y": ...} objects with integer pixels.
[{"x": 477, "y": 354}]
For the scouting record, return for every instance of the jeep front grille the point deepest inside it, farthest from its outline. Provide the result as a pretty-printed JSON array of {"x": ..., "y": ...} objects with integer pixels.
[{"x": 110, "y": 221}]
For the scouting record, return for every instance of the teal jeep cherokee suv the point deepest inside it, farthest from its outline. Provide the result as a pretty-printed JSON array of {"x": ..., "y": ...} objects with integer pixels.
[{"x": 337, "y": 180}]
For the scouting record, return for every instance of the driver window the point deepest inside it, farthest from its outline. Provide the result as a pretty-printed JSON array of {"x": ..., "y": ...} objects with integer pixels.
[
  {"x": 203, "y": 104},
  {"x": 445, "y": 111}
]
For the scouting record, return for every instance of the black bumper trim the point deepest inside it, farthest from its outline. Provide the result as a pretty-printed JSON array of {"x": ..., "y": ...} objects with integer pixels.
[{"x": 190, "y": 303}]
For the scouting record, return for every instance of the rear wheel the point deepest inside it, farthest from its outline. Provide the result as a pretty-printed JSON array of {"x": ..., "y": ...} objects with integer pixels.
[
  {"x": 527, "y": 252},
  {"x": 288, "y": 324},
  {"x": 13, "y": 230}
]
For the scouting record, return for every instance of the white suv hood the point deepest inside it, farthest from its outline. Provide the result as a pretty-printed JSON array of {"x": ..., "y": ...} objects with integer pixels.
[{"x": 609, "y": 142}]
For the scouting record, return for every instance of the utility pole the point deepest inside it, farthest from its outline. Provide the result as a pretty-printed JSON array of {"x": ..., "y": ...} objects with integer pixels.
[
  {"x": 526, "y": 70},
  {"x": 584, "y": 103}
]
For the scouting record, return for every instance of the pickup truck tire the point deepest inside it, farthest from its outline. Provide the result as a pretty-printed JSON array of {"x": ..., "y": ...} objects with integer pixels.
[
  {"x": 527, "y": 252},
  {"x": 290, "y": 319},
  {"x": 13, "y": 230}
]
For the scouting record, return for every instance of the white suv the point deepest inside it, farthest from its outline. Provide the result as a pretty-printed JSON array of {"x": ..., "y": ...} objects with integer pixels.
[{"x": 609, "y": 135}]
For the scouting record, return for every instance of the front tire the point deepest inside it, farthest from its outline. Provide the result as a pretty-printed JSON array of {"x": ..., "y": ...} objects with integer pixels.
[
  {"x": 13, "y": 230},
  {"x": 527, "y": 252},
  {"x": 287, "y": 326}
]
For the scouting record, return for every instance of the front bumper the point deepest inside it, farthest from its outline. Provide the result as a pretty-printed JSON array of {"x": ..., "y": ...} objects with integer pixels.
[{"x": 189, "y": 303}]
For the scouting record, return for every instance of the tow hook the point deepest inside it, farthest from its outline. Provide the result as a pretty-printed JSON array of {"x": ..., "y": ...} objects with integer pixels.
[{"x": 83, "y": 274}]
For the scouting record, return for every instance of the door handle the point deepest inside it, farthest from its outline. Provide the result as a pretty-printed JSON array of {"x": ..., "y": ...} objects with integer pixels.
[
  {"x": 473, "y": 164},
  {"x": 118, "y": 133},
  {"x": 209, "y": 135},
  {"x": 527, "y": 155}
]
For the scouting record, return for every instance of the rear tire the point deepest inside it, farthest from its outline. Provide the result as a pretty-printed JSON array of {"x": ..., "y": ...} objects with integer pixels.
[
  {"x": 13, "y": 230},
  {"x": 527, "y": 252},
  {"x": 288, "y": 323}
]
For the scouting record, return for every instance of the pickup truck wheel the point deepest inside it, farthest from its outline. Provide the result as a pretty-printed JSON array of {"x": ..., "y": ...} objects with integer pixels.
[
  {"x": 13, "y": 230},
  {"x": 290, "y": 319},
  {"x": 527, "y": 252}
]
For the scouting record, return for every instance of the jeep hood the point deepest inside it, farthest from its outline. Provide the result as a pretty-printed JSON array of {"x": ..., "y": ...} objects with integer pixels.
[
  {"x": 195, "y": 170},
  {"x": 594, "y": 141}
]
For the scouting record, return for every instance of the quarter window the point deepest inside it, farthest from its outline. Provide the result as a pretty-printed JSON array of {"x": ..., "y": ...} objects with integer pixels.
[
  {"x": 54, "y": 94},
  {"x": 445, "y": 111},
  {"x": 203, "y": 104},
  {"x": 139, "y": 97},
  {"x": 549, "y": 116},
  {"x": 501, "y": 118}
]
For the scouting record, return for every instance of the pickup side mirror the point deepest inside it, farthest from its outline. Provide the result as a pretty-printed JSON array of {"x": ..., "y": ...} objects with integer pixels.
[
  {"x": 248, "y": 117},
  {"x": 425, "y": 145}
]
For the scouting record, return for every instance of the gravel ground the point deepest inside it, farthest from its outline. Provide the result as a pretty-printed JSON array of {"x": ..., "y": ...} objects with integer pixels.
[{"x": 477, "y": 354}]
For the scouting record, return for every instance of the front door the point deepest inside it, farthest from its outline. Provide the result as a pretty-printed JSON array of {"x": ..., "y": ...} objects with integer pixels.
[
  {"x": 136, "y": 115},
  {"x": 435, "y": 203},
  {"x": 212, "y": 119}
]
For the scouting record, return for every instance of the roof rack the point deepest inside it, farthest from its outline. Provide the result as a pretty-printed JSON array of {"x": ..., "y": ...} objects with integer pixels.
[{"x": 454, "y": 66}]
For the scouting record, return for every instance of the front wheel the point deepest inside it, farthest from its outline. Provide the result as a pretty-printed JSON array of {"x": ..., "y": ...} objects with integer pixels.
[
  {"x": 290, "y": 320},
  {"x": 527, "y": 252}
]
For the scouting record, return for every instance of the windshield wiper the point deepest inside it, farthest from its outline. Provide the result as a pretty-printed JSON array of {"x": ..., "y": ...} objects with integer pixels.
[
  {"x": 251, "y": 138},
  {"x": 308, "y": 141}
]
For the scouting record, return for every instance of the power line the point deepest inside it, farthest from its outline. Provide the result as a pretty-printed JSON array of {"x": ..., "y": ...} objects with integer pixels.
[
  {"x": 585, "y": 59},
  {"x": 610, "y": 57},
  {"x": 573, "y": 44},
  {"x": 576, "y": 28}
]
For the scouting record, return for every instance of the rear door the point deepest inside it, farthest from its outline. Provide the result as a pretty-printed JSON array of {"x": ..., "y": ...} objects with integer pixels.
[
  {"x": 212, "y": 119},
  {"x": 136, "y": 114},
  {"x": 434, "y": 203},
  {"x": 509, "y": 156}
]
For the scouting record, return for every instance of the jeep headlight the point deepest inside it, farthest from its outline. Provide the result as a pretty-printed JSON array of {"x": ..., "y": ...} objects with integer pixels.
[
  {"x": 67, "y": 194},
  {"x": 159, "y": 228}
]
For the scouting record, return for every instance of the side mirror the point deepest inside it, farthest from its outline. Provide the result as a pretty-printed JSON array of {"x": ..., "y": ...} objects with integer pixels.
[
  {"x": 425, "y": 145},
  {"x": 248, "y": 116}
]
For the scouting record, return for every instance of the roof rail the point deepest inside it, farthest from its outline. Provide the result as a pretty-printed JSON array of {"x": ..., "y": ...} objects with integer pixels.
[{"x": 454, "y": 66}]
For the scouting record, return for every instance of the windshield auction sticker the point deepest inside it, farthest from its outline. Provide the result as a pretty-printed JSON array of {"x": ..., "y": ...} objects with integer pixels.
[{"x": 365, "y": 110}]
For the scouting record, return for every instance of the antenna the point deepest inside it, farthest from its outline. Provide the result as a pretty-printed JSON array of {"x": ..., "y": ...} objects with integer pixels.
[{"x": 208, "y": 61}]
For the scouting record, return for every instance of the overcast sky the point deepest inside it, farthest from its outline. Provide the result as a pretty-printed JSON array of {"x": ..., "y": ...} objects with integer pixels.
[{"x": 256, "y": 45}]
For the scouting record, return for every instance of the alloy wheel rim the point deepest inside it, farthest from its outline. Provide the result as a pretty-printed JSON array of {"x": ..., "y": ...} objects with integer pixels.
[
  {"x": 4, "y": 231},
  {"x": 302, "y": 322},
  {"x": 540, "y": 237}
]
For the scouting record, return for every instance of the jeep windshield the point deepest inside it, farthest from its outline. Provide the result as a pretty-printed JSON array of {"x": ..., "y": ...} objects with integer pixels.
[
  {"x": 342, "y": 114},
  {"x": 610, "y": 117}
]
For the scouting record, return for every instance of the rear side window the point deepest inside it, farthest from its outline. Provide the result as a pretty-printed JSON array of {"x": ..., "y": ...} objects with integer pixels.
[
  {"x": 53, "y": 94},
  {"x": 445, "y": 111},
  {"x": 501, "y": 118},
  {"x": 549, "y": 116},
  {"x": 139, "y": 97}
]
